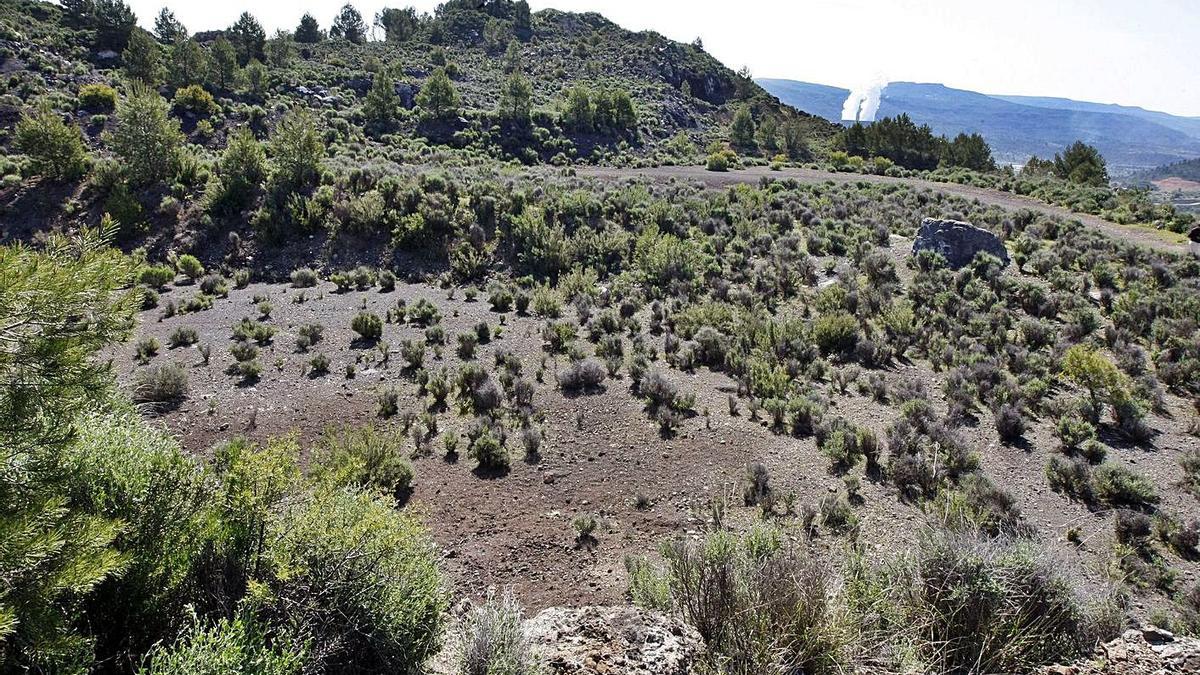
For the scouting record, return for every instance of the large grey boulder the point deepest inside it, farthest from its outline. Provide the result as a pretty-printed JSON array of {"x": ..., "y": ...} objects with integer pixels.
[{"x": 958, "y": 242}]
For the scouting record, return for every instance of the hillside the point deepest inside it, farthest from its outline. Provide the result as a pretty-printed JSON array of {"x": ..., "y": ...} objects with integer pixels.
[
  {"x": 1017, "y": 128},
  {"x": 521, "y": 344},
  {"x": 560, "y": 51}
]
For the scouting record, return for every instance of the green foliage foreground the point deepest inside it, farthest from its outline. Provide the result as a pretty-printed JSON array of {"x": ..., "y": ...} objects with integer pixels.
[{"x": 122, "y": 552}]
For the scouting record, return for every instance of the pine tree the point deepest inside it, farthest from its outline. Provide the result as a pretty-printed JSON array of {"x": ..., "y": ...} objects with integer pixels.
[
  {"x": 522, "y": 20},
  {"x": 1081, "y": 163},
  {"x": 189, "y": 64},
  {"x": 168, "y": 29},
  {"x": 512, "y": 57},
  {"x": 53, "y": 553},
  {"x": 224, "y": 63},
  {"x": 379, "y": 107},
  {"x": 296, "y": 152},
  {"x": 248, "y": 38},
  {"x": 114, "y": 21},
  {"x": 438, "y": 99},
  {"x": 399, "y": 25},
  {"x": 280, "y": 50},
  {"x": 579, "y": 115},
  {"x": 516, "y": 100},
  {"x": 349, "y": 25},
  {"x": 741, "y": 132},
  {"x": 308, "y": 32},
  {"x": 146, "y": 137},
  {"x": 142, "y": 58}
]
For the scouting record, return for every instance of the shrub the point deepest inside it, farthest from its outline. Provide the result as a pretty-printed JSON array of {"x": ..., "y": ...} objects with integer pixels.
[
  {"x": 146, "y": 348},
  {"x": 493, "y": 639},
  {"x": 368, "y": 326},
  {"x": 97, "y": 98},
  {"x": 161, "y": 384},
  {"x": 55, "y": 148},
  {"x": 304, "y": 277},
  {"x": 194, "y": 99},
  {"x": 756, "y": 486},
  {"x": 760, "y": 605},
  {"x": 1009, "y": 423},
  {"x": 357, "y": 578},
  {"x": 365, "y": 457},
  {"x": 189, "y": 266},
  {"x": 319, "y": 364},
  {"x": 1114, "y": 484},
  {"x": 1072, "y": 477},
  {"x": 229, "y": 646},
  {"x": 835, "y": 333},
  {"x": 467, "y": 342},
  {"x": 1190, "y": 463},
  {"x": 489, "y": 452},
  {"x": 413, "y": 353},
  {"x": 585, "y": 375},
  {"x": 184, "y": 336},
  {"x": 156, "y": 276},
  {"x": 256, "y": 331},
  {"x": 997, "y": 605}
]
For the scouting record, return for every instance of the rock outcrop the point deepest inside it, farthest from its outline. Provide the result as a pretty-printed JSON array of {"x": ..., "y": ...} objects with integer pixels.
[
  {"x": 594, "y": 640},
  {"x": 957, "y": 241},
  {"x": 626, "y": 640},
  {"x": 1139, "y": 651}
]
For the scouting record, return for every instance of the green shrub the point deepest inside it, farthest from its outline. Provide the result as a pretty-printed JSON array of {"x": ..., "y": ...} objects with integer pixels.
[
  {"x": 835, "y": 333},
  {"x": 1114, "y": 484},
  {"x": 365, "y": 457},
  {"x": 189, "y": 266},
  {"x": 55, "y": 148},
  {"x": 156, "y": 276},
  {"x": 357, "y": 578},
  {"x": 194, "y": 99},
  {"x": 489, "y": 452},
  {"x": 229, "y": 646},
  {"x": 97, "y": 98},
  {"x": 368, "y": 326}
]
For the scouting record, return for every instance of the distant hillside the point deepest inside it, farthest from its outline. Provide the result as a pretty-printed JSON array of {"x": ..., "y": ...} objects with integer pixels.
[
  {"x": 1131, "y": 139},
  {"x": 1186, "y": 170},
  {"x": 1188, "y": 125}
]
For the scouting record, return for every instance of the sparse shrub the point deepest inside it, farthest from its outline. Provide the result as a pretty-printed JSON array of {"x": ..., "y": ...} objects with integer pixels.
[
  {"x": 159, "y": 385},
  {"x": 413, "y": 353},
  {"x": 467, "y": 342},
  {"x": 756, "y": 486},
  {"x": 585, "y": 375},
  {"x": 368, "y": 326},
  {"x": 248, "y": 329},
  {"x": 319, "y": 364},
  {"x": 584, "y": 525},
  {"x": 304, "y": 277},
  {"x": 156, "y": 276},
  {"x": 1072, "y": 477},
  {"x": 184, "y": 336},
  {"x": 1114, "y": 484},
  {"x": 146, "y": 348},
  {"x": 388, "y": 403},
  {"x": 494, "y": 641}
]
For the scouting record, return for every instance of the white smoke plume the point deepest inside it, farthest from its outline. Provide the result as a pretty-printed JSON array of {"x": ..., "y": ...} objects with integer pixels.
[{"x": 863, "y": 101}]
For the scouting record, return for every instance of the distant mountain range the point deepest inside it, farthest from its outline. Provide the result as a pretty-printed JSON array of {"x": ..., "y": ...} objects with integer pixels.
[{"x": 1131, "y": 139}]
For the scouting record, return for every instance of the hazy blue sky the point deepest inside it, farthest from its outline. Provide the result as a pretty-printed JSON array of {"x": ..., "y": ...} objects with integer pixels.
[{"x": 1133, "y": 52}]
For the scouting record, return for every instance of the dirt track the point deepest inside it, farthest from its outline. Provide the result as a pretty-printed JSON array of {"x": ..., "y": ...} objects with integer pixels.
[{"x": 1140, "y": 236}]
